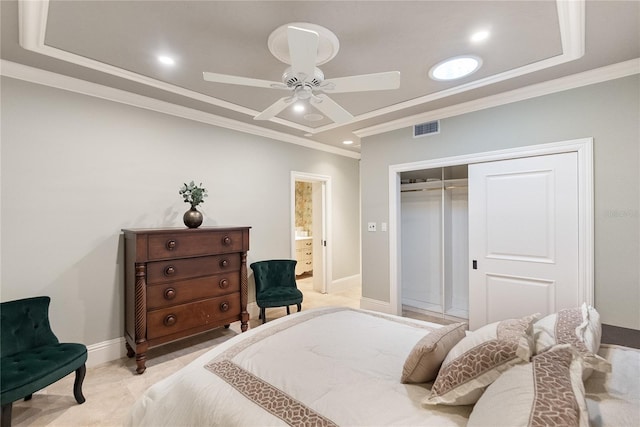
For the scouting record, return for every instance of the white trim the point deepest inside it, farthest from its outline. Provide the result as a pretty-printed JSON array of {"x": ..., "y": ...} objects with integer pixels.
[
  {"x": 598, "y": 75},
  {"x": 58, "y": 81},
  {"x": 584, "y": 148},
  {"x": 105, "y": 351},
  {"x": 571, "y": 23},
  {"x": 328, "y": 236}
]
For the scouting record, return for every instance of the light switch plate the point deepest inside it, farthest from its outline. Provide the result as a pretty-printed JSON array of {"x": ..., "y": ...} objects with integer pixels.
[{"x": 371, "y": 226}]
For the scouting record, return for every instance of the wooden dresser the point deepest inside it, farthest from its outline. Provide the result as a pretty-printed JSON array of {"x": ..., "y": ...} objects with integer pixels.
[{"x": 180, "y": 282}]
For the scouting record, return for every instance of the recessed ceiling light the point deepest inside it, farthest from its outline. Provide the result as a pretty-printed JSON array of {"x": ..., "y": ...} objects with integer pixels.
[
  {"x": 166, "y": 60},
  {"x": 455, "y": 68},
  {"x": 479, "y": 36},
  {"x": 298, "y": 108},
  {"x": 347, "y": 142}
]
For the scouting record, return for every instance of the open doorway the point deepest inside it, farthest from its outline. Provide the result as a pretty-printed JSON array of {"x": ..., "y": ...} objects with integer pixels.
[{"x": 309, "y": 228}]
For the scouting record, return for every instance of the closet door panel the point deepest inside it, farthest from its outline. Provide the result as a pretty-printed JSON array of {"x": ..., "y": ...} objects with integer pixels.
[{"x": 523, "y": 233}]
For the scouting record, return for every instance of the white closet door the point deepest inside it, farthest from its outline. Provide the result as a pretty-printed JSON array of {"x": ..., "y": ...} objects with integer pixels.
[{"x": 523, "y": 233}]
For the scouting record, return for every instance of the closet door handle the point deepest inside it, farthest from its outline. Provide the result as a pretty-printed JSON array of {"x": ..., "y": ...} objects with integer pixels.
[{"x": 475, "y": 264}]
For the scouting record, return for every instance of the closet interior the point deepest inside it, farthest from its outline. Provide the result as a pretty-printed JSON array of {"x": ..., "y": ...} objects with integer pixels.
[{"x": 435, "y": 241}]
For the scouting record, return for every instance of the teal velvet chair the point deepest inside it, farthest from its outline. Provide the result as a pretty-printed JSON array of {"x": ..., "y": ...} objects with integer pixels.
[
  {"x": 31, "y": 357},
  {"x": 276, "y": 285}
]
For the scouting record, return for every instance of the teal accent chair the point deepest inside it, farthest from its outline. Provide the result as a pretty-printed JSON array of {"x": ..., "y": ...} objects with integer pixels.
[
  {"x": 31, "y": 357},
  {"x": 276, "y": 285}
]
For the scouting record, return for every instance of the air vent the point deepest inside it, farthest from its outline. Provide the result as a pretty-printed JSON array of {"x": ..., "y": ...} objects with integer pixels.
[{"x": 428, "y": 128}]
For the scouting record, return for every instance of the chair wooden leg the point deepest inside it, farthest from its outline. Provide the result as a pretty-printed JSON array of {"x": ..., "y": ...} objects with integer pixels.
[
  {"x": 288, "y": 312},
  {"x": 262, "y": 313},
  {"x": 299, "y": 306},
  {"x": 77, "y": 385},
  {"x": 6, "y": 414}
]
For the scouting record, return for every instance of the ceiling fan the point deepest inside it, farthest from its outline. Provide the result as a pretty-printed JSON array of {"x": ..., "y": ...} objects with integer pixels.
[{"x": 305, "y": 81}]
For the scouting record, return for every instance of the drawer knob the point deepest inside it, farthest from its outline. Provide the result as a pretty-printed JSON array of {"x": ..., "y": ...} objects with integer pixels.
[
  {"x": 170, "y": 320},
  {"x": 171, "y": 244},
  {"x": 224, "y": 283},
  {"x": 169, "y": 293},
  {"x": 224, "y": 263},
  {"x": 170, "y": 271},
  {"x": 226, "y": 240},
  {"x": 224, "y": 306}
]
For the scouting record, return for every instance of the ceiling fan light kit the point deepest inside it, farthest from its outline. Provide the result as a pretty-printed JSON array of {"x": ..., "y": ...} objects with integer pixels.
[{"x": 305, "y": 46}]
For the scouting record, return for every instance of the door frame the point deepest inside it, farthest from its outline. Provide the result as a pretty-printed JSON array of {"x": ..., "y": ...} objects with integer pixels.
[
  {"x": 325, "y": 246},
  {"x": 584, "y": 148}
]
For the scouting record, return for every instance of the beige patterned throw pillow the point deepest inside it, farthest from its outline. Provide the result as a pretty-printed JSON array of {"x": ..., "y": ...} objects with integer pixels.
[
  {"x": 424, "y": 361},
  {"x": 546, "y": 392},
  {"x": 479, "y": 358},
  {"x": 579, "y": 327}
]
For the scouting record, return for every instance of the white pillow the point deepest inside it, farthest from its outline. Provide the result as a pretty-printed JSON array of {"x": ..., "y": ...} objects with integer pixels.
[
  {"x": 579, "y": 327},
  {"x": 479, "y": 358},
  {"x": 546, "y": 392},
  {"x": 424, "y": 360}
]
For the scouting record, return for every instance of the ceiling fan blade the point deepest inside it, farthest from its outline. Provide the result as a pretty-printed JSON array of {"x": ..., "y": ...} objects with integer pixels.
[
  {"x": 303, "y": 50},
  {"x": 363, "y": 82},
  {"x": 275, "y": 108},
  {"x": 331, "y": 109},
  {"x": 244, "y": 81}
]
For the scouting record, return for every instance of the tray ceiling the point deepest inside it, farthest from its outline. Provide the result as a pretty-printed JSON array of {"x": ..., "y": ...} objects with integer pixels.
[{"x": 116, "y": 44}]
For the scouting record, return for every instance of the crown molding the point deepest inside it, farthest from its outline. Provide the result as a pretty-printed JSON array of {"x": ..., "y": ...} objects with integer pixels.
[
  {"x": 33, "y": 23},
  {"x": 58, "y": 81},
  {"x": 598, "y": 75}
]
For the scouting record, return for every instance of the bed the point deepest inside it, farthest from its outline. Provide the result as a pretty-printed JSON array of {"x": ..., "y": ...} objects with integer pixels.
[{"x": 340, "y": 366}]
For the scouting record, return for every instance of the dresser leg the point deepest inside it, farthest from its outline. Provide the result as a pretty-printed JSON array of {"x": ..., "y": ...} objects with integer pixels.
[
  {"x": 244, "y": 321},
  {"x": 141, "y": 361},
  {"x": 130, "y": 352}
]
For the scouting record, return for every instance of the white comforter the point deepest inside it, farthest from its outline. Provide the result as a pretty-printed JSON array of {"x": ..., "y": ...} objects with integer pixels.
[
  {"x": 329, "y": 366},
  {"x": 337, "y": 366}
]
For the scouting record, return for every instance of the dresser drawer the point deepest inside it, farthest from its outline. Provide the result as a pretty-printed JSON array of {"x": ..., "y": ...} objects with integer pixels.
[
  {"x": 177, "y": 245},
  {"x": 174, "y": 293},
  {"x": 304, "y": 244},
  {"x": 179, "y": 269},
  {"x": 183, "y": 317}
]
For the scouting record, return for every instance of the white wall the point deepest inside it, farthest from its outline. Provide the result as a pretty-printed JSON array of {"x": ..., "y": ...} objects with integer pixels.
[
  {"x": 609, "y": 112},
  {"x": 77, "y": 169}
]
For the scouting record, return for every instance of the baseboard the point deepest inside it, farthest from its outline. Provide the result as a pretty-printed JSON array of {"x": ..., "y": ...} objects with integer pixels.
[
  {"x": 345, "y": 283},
  {"x": 105, "y": 351},
  {"x": 376, "y": 305},
  {"x": 253, "y": 310}
]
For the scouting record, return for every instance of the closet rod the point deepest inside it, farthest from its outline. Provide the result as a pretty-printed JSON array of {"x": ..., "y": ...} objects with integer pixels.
[{"x": 434, "y": 189}]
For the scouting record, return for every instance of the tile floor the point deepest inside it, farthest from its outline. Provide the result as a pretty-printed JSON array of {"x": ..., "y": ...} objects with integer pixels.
[{"x": 112, "y": 388}]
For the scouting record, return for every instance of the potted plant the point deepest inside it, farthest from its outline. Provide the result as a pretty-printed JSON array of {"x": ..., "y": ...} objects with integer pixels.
[{"x": 194, "y": 195}]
